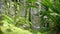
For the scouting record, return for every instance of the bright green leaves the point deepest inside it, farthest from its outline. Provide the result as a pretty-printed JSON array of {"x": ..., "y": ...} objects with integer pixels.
[
  {"x": 31, "y": 0},
  {"x": 54, "y": 15},
  {"x": 11, "y": 29},
  {"x": 8, "y": 19},
  {"x": 31, "y": 3},
  {"x": 38, "y": 33},
  {"x": 22, "y": 21},
  {"x": 53, "y": 6}
]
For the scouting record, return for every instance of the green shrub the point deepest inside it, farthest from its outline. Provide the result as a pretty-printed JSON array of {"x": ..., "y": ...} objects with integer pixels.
[{"x": 7, "y": 27}]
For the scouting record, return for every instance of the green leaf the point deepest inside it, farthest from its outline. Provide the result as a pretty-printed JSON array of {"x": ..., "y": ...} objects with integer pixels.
[
  {"x": 31, "y": 0},
  {"x": 31, "y": 6},
  {"x": 53, "y": 7},
  {"x": 8, "y": 19}
]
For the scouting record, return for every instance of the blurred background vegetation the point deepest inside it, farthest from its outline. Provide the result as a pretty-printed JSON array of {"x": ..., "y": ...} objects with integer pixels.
[{"x": 29, "y": 16}]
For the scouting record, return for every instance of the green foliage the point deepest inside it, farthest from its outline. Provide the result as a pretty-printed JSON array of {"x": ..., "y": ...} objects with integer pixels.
[
  {"x": 8, "y": 19},
  {"x": 11, "y": 29},
  {"x": 31, "y": 0},
  {"x": 8, "y": 28},
  {"x": 33, "y": 6},
  {"x": 10, "y": 25},
  {"x": 53, "y": 13},
  {"x": 54, "y": 8},
  {"x": 38, "y": 33},
  {"x": 31, "y": 3},
  {"x": 22, "y": 21}
]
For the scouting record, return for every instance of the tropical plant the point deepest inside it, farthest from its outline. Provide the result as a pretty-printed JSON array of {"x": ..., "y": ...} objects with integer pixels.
[
  {"x": 53, "y": 13},
  {"x": 7, "y": 27},
  {"x": 12, "y": 19}
]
